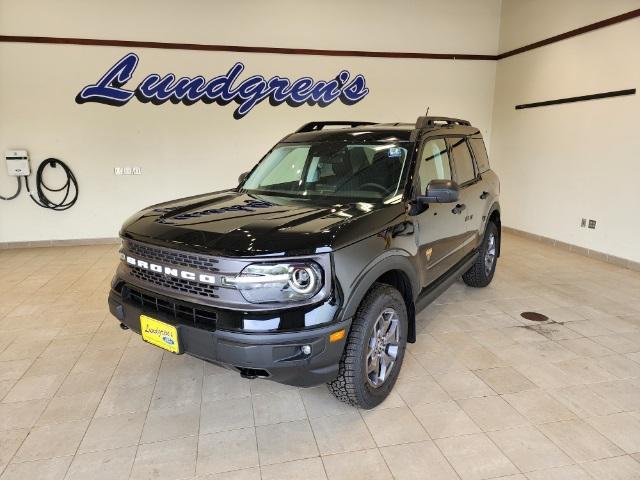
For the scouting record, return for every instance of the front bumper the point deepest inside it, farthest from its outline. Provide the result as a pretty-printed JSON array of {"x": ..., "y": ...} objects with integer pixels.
[{"x": 274, "y": 355}]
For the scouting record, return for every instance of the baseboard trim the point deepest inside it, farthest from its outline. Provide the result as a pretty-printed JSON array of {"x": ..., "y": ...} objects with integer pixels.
[
  {"x": 604, "y": 257},
  {"x": 60, "y": 243}
]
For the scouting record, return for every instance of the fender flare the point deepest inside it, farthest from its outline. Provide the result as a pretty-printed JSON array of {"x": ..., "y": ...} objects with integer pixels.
[
  {"x": 384, "y": 263},
  {"x": 495, "y": 206}
]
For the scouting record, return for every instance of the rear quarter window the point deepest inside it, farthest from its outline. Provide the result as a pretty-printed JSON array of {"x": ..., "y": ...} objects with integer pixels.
[
  {"x": 465, "y": 171},
  {"x": 480, "y": 154}
]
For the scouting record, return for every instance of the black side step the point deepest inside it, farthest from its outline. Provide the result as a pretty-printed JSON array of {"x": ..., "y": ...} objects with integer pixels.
[{"x": 433, "y": 291}]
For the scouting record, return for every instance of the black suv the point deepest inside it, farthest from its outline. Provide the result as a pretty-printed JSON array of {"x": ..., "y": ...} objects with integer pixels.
[{"x": 313, "y": 268}]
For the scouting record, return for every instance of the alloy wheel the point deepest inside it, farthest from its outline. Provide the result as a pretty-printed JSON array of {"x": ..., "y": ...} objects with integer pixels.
[
  {"x": 490, "y": 254},
  {"x": 383, "y": 347}
]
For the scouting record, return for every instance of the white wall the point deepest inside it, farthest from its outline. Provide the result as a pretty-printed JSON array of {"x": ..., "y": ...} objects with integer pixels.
[
  {"x": 558, "y": 164},
  {"x": 453, "y": 26},
  {"x": 188, "y": 150}
]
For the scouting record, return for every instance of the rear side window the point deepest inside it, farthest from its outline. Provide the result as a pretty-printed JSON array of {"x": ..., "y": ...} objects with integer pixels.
[
  {"x": 465, "y": 171},
  {"x": 480, "y": 152},
  {"x": 434, "y": 162}
]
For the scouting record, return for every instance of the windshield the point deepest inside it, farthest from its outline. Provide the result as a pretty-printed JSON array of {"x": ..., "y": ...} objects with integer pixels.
[{"x": 372, "y": 172}]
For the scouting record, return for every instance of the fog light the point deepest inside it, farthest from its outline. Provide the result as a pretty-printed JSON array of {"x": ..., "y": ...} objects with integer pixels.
[{"x": 306, "y": 349}]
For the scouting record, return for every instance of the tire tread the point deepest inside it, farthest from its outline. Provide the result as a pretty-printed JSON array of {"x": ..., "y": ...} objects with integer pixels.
[
  {"x": 344, "y": 387},
  {"x": 476, "y": 276}
]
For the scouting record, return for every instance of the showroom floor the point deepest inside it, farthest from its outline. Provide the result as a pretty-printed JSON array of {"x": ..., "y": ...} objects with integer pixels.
[{"x": 482, "y": 394}]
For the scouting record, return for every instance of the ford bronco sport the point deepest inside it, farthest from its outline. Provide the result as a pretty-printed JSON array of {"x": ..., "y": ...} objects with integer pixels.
[{"x": 313, "y": 268}]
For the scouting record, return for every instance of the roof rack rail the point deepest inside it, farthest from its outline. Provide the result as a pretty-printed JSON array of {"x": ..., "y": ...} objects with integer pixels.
[
  {"x": 316, "y": 126},
  {"x": 424, "y": 122}
]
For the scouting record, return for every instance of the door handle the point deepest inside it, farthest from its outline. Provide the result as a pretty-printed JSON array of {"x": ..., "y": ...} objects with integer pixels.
[
  {"x": 484, "y": 195},
  {"x": 459, "y": 208}
]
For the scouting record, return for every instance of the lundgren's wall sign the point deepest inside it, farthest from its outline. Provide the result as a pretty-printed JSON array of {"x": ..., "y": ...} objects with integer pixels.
[{"x": 222, "y": 90}]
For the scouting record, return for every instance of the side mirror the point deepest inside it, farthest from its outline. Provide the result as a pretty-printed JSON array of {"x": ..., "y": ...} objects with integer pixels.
[
  {"x": 441, "y": 191},
  {"x": 242, "y": 177}
]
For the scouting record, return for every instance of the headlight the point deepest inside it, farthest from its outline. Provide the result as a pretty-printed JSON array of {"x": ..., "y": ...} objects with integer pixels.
[{"x": 278, "y": 282}]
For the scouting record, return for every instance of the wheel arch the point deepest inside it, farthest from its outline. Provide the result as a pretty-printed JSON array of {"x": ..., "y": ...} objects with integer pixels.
[
  {"x": 494, "y": 217},
  {"x": 396, "y": 271}
]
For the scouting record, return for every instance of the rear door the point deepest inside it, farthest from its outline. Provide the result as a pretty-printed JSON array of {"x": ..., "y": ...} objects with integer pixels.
[
  {"x": 439, "y": 232},
  {"x": 470, "y": 207},
  {"x": 488, "y": 179}
]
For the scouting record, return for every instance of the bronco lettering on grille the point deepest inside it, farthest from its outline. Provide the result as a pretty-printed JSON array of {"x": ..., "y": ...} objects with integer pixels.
[{"x": 171, "y": 271}]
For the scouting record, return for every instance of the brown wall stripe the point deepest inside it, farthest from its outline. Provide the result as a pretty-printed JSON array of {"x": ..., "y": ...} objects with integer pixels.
[
  {"x": 243, "y": 49},
  {"x": 310, "y": 51},
  {"x": 572, "y": 33},
  {"x": 581, "y": 98}
]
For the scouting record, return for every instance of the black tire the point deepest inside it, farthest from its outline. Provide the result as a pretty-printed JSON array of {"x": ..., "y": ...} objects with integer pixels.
[
  {"x": 353, "y": 385},
  {"x": 480, "y": 275}
]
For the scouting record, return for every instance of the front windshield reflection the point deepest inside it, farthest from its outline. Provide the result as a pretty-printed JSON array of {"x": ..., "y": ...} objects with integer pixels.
[{"x": 367, "y": 172}]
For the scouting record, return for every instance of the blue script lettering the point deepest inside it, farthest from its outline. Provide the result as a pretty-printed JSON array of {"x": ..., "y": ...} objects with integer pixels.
[
  {"x": 222, "y": 89},
  {"x": 108, "y": 90}
]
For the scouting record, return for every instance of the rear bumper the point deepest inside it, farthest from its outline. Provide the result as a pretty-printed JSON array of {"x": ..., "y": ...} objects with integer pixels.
[{"x": 278, "y": 356}]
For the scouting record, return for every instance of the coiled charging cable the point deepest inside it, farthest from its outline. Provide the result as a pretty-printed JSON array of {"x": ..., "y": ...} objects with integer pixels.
[{"x": 70, "y": 187}]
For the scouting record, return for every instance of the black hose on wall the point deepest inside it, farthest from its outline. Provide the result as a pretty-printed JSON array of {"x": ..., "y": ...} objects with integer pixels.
[{"x": 70, "y": 187}]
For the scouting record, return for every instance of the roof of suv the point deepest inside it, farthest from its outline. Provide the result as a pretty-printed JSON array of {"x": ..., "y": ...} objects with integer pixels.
[{"x": 377, "y": 132}]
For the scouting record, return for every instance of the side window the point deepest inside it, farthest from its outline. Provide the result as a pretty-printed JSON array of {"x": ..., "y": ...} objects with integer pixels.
[
  {"x": 465, "y": 171},
  {"x": 480, "y": 152},
  {"x": 434, "y": 162}
]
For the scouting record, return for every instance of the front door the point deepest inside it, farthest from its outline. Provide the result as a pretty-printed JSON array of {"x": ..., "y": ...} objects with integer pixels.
[{"x": 439, "y": 231}]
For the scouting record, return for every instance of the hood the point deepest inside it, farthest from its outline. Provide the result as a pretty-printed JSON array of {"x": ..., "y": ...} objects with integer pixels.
[{"x": 240, "y": 224}]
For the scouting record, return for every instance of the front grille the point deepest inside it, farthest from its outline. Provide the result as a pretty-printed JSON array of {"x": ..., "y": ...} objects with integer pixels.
[
  {"x": 189, "y": 287},
  {"x": 173, "y": 257},
  {"x": 189, "y": 315}
]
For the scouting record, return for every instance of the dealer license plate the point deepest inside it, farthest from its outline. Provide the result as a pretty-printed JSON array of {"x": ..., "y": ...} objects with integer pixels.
[{"x": 159, "y": 334}]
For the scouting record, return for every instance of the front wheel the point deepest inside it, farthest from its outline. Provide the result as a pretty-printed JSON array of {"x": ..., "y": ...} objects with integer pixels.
[
  {"x": 481, "y": 272},
  {"x": 375, "y": 349}
]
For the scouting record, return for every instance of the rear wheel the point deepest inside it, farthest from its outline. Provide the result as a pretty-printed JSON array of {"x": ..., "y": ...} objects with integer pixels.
[
  {"x": 375, "y": 349},
  {"x": 481, "y": 272}
]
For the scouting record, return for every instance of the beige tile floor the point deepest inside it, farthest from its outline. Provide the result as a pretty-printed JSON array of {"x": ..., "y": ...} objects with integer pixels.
[{"x": 482, "y": 394}]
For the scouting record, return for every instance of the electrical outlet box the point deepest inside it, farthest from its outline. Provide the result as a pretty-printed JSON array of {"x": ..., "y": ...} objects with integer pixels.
[
  {"x": 127, "y": 170},
  {"x": 17, "y": 163},
  {"x": 583, "y": 223},
  {"x": 592, "y": 224}
]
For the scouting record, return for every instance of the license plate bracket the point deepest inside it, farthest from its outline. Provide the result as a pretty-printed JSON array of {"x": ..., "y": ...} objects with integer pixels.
[{"x": 160, "y": 334}]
